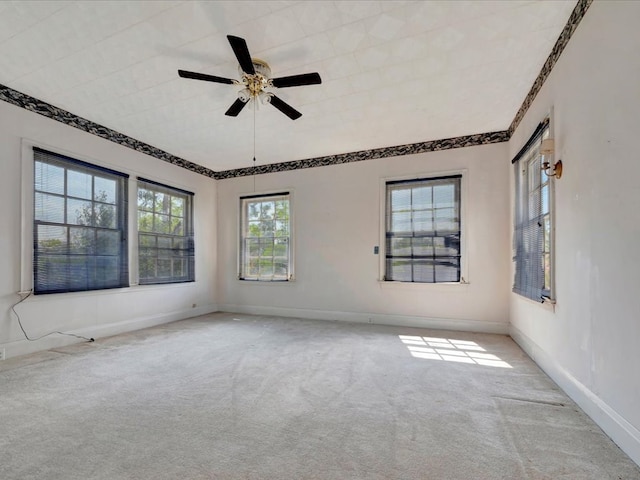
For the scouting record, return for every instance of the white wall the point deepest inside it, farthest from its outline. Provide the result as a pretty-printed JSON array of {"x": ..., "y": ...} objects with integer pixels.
[
  {"x": 336, "y": 226},
  {"x": 106, "y": 312},
  {"x": 589, "y": 345}
]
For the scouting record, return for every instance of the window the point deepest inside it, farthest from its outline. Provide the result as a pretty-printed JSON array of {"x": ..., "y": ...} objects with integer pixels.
[
  {"x": 533, "y": 229},
  {"x": 80, "y": 225},
  {"x": 423, "y": 230},
  {"x": 265, "y": 238},
  {"x": 165, "y": 234}
]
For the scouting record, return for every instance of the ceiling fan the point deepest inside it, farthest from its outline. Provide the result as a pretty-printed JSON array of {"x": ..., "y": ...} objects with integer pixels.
[{"x": 256, "y": 79}]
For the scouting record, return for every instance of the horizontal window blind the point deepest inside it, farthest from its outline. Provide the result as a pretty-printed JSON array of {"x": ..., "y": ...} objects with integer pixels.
[
  {"x": 531, "y": 236},
  {"x": 166, "y": 251},
  {"x": 423, "y": 230},
  {"x": 80, "y": 225}
]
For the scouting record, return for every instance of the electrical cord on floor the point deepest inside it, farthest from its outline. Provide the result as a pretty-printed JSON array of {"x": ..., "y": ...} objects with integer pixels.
[{"x": 13, "y": 309}]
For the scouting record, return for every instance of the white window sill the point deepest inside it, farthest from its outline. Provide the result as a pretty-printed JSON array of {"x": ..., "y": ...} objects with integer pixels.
[
  {"x": 547, "y": 303},
  {"x": 133, "y": 288},
  {"x": 263, "y": 282},
  {"x": 444, "y": 286}
]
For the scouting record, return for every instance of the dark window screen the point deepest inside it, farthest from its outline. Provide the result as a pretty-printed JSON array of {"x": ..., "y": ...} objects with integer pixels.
[
  {"x": 423, "y": 230},
  {"x": 80, "y": 225}
]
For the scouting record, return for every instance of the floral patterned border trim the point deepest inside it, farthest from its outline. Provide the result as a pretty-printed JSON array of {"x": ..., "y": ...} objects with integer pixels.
[
  {"x": 574, "y": 19},
  {"x": 386, "y": 152},
  {"x": 32, "y": 104}
]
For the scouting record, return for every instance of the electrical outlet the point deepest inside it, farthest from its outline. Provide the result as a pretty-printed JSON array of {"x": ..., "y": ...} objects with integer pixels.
[{"x": 2, "y": 354}]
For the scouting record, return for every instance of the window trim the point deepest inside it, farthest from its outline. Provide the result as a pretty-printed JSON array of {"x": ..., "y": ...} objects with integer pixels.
[
  {"x": 289, "y": 192},
  {"x": 464, "y": 231}
]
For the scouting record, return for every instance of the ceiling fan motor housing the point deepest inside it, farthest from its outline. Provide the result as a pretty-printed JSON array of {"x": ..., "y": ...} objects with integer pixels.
[{"x": 257, "y": 82}]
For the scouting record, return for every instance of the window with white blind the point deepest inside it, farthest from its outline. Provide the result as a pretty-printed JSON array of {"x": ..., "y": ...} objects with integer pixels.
[
  {"x": 265, "y": 238},
  {"x": 423, "y": 230},
  {"x": 80, "y": 225},
  {"x": 165, "y": 234},
  {"x": 532, "y": 238}
]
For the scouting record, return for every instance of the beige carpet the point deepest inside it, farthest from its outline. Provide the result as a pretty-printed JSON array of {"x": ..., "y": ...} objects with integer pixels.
[{"x": 244, "y": 397}]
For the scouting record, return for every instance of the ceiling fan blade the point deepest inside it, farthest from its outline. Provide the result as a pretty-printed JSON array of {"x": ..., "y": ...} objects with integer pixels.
[
  {"x": 297, "y": 80},
  {"x": 205, "y": 77},
  {"x": 236, "y": 108},
  {"x": 241, "y": 50},
  {"x": 285, "y": 108}
]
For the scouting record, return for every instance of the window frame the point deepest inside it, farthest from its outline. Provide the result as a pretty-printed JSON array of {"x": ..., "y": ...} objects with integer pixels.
[
  {"x": 527, "y": 158},
  {"x": 243, "y": 202},
  {"x": 71, "y": 163},
  {"x": 187, "y": 252},
  {"x": 463, "y": 189}
]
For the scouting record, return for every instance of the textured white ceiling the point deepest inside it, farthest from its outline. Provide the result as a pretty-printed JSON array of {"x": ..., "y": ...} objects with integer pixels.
[{"x": 393, "y": 72}]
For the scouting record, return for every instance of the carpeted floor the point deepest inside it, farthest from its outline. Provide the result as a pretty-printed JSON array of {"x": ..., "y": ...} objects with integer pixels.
[{"x": 227, "y": 396}]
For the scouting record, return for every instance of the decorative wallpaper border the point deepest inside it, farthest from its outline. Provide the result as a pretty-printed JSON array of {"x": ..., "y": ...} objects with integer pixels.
[
  {"x": 386, "y": 152},
  {"x": 574, "y": 20},
  {"x": 32, "y": 104}
]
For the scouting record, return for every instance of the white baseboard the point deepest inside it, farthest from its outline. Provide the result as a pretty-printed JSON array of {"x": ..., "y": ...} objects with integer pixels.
[
  {"x": 23, "y": 346},
  {"x": 373, "y": 318},
  {"x": 625, "y": 435}
]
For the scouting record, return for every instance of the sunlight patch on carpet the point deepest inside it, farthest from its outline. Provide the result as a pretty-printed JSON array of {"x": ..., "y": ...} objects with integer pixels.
[{"x": 451, "y": 350}]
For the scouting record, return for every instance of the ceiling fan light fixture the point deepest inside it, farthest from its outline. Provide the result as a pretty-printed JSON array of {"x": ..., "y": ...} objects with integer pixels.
[
  {"x": 265, "y": 97},
  {"x": 244, "y": 95}
]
